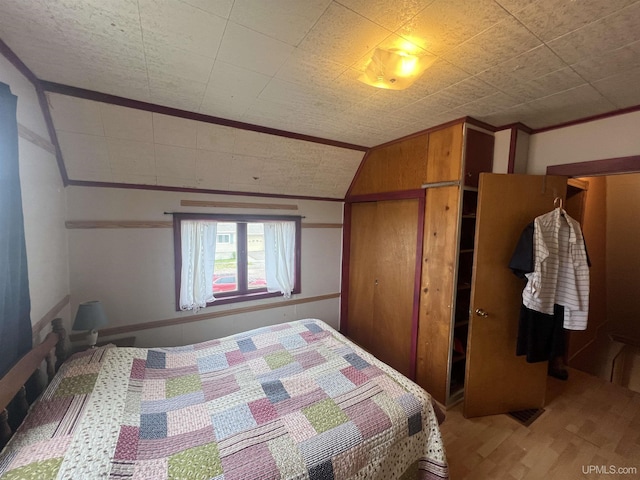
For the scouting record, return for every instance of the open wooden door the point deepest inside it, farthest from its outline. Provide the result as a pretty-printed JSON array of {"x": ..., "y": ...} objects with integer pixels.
[{"x": 496, "y": 380}]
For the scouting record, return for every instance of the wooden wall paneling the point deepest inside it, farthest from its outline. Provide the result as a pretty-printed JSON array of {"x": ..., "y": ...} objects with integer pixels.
[
  {"x": 444, "y": 154},
  {"x": 438, "y": 282},
  {"x": 397, "y": 166},
  {"x": 394, "y": 286},
  {"x": 362, "y": 267}
]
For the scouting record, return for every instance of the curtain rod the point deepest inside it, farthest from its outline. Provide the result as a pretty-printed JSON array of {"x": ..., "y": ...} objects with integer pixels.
[{"x": 232, "y": 214}]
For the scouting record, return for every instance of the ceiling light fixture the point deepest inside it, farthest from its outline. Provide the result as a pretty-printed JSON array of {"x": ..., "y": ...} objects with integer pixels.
[{"x": 395, "y": 69}]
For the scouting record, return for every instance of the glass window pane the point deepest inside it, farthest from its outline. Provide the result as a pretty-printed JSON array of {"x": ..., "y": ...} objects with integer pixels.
[
  {"x": 255, "y": 253},
  {"x": 225, "y": 271}
]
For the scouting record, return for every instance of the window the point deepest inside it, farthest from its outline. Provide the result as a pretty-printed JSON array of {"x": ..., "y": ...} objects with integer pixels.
[
  {"x": 225, "y": 238},
  {"x": 232, "y": 258}
]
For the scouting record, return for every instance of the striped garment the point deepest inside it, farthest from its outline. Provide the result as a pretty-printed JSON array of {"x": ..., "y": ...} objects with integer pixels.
[{"x": 561, "y": 272}]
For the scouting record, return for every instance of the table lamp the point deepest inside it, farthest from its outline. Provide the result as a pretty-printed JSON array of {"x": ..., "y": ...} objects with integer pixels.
[{"x": 90, "y": 317}]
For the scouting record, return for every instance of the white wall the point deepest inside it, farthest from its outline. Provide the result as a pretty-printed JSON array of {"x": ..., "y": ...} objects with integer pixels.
[
  {"x": 132, "y": 270},
  {"x": 610, "y": 137},
  {"x": 501, "y": 151},
  {"x": 43, "y": 203}
]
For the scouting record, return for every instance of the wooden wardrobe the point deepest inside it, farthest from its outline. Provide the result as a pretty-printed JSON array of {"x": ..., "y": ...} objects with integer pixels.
[{"x": 408, "y": 252}]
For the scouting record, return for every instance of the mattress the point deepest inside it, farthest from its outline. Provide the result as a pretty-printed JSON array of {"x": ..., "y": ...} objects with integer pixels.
[{"x": 291, "y": 401}]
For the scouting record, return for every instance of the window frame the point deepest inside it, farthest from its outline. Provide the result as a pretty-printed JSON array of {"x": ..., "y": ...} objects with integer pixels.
[{"x": 241, "y": 242}]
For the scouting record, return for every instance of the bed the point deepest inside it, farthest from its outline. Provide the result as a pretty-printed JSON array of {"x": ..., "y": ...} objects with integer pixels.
[{"x": 292, "y": 401}]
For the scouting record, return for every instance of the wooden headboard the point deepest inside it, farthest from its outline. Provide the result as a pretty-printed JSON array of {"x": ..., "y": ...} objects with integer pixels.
[{"x": 25, "y": 381}]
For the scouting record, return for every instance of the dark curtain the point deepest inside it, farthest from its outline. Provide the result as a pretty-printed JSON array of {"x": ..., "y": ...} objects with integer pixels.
[{"x": 15, "y": 303}]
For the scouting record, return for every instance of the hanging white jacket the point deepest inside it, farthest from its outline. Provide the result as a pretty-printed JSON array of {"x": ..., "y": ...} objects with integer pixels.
[{"x": 561, "y": 272}]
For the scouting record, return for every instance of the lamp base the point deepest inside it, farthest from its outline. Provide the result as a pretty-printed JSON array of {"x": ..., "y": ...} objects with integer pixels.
[{"x": 92, "y": 338}]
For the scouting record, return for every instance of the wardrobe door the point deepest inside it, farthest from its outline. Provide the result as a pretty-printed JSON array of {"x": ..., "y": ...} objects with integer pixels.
[
  {"x": 382, "y": 274},
  {"x": 394, "y": 285},
  {"x": 498, "y": 381},
  {"x": 362, "y": 272}
]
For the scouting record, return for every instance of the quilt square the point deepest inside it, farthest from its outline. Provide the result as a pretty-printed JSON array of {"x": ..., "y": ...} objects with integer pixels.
[
  {"x": 40, "y": 451},
  {"x": 309, "y": 359},
  {"x": 234, "y": 357},
  {"x": 275, "y": 391},
  {"x": 156, "y": 359},
  {"x": 263, "y": 411},
  {"x": 220, "y": 387},
  {"x": 197, "y": 462},
  {"x": 313, "y": 328},
  {"x": 78, "y": 385},
  {"x": 243, "y": 464},
  {"x": 278, "y": 359},
  {"x": 182, "y": 385},
  {"x": 137, "y": 368},
  {"x": 42, "y": 469},
  {"x": 347, "y": 464},
  {"x": 291, "y": 342},
  {"x": 212, "y": 363},
  {"x": 357, "y": 361},
  {"x": 246, "y": 345},
  {"x": 414, "y": 423},
  {"x": 154, "y": 389},
  {"x": 153, "y": 425},
  {"x": 410, "y": 404},
  {"x": 322, "y": 471},
  {"x": 127, "y": 446},
  {"x": 189, "y": 419},
  {"x": 156, "y": 468},
  {"x": 232, "y": 421},
  {"x": 325, "y": 415},
  {"x": 355, "y": 375},
  {"x": 298, "y": 426},
  {"x": 335, "y": 383},
  {"x": 266, "y": 340},
  {"x": 298, "y": 385},
  {"x": 258, "y": 366},
  {"x": 182, "y": 359},
  {"x": 390, "y": 386},
  {"x": 369, "y": 418}
]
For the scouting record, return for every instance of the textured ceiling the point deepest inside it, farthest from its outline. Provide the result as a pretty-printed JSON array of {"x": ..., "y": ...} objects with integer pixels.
[
  {"x": 293, "y": 65},
  {"x": 108, "y": 143}
]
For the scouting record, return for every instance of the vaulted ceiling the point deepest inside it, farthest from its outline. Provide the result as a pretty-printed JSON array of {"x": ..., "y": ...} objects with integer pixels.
[{"x": 293, "y": 65}]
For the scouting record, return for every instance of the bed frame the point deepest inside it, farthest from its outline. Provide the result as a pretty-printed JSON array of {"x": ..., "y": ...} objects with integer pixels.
[{"x": 25, "y": 381}]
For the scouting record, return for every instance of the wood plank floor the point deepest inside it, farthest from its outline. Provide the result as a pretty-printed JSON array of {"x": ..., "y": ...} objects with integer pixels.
[{"x": 588, "y": 427}]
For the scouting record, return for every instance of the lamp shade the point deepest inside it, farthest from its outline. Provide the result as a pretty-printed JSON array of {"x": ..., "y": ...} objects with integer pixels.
[{"x": 90, "y": 316}]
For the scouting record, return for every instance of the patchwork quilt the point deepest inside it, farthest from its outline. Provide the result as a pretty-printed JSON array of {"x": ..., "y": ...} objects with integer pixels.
[{"x": 291, "y": 401}]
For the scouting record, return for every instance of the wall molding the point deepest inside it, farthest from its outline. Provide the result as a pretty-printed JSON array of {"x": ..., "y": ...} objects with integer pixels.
[
  {"x": 50, "y": 315},
  {"x": 37, "y": 140},
  {"x": 105, "y": 332},
  {"x": 597, "y": 167},
  {"x": 260, "y": 206},
  {"x": 165, "y": 188},
  {"x": 200, "y": 117},
  {"x": 96, "y": 224},
  {"x": 92, "y": 224},
  {"x": 321, "y": 225}
]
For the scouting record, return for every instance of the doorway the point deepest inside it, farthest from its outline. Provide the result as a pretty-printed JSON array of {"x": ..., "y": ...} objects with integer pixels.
[{"x": 608, "y": 207}]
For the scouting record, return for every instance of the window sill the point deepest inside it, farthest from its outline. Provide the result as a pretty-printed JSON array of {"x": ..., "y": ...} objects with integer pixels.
[{"x": 244, "y": 297}]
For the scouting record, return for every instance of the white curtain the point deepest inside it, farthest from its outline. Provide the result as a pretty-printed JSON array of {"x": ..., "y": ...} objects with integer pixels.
[
  {"x": 280, "y": 251},
  {"x": 198, "y": 257}
]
